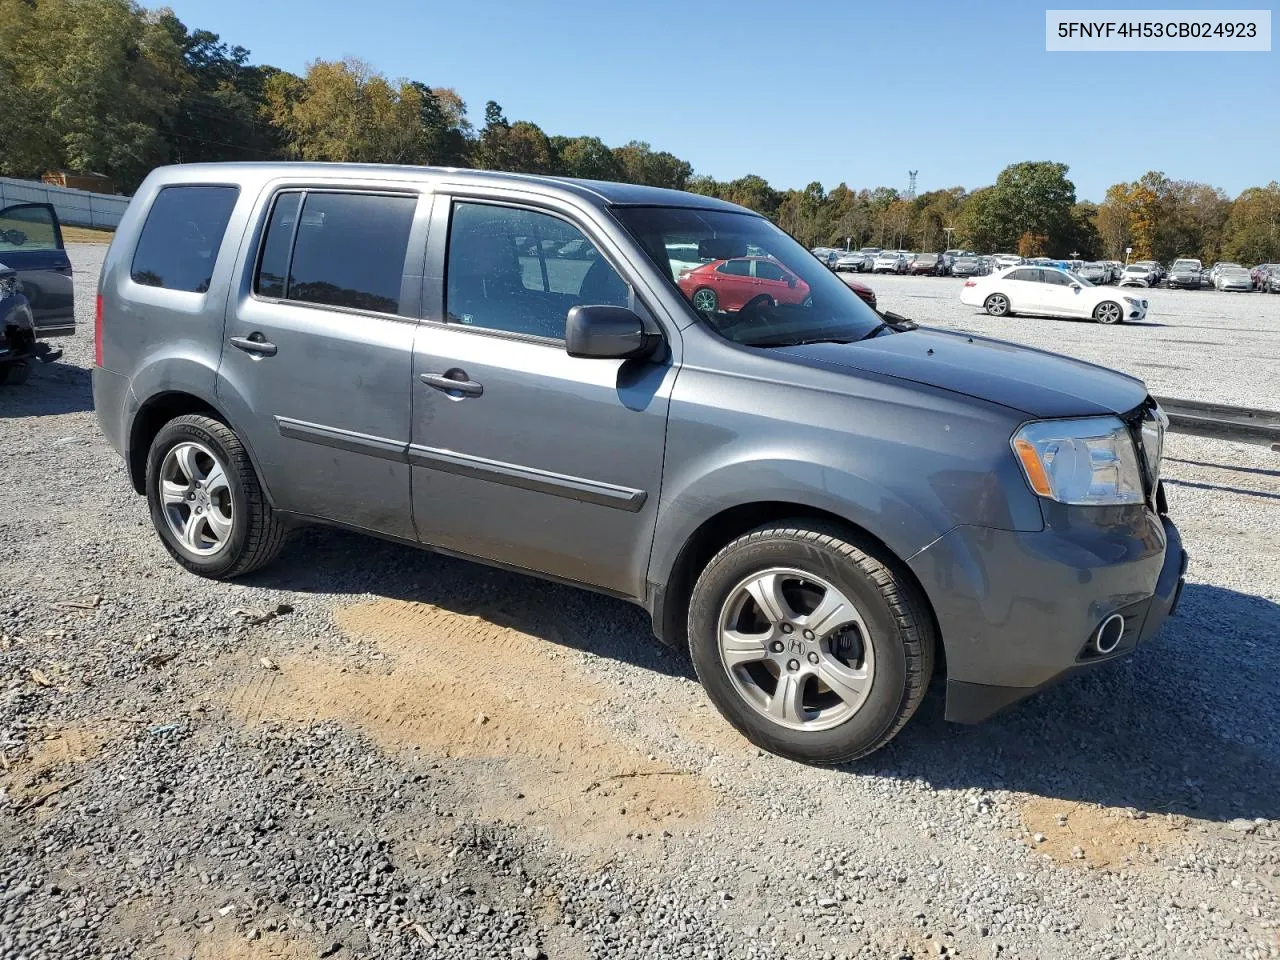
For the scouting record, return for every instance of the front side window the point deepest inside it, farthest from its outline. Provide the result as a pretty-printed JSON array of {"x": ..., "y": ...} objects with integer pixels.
[
  {"x": 521, "y": 271},
  {"x": 818, "y": 305},
  {"x": 28, "y": 226},
  {"x": 768, "y": 270},
  {"x": 178, "y": 246},
  {"x": 1056, "y": 278}
]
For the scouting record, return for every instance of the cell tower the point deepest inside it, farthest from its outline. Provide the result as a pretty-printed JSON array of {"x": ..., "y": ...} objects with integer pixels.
[{"x": 911, "y": 184}]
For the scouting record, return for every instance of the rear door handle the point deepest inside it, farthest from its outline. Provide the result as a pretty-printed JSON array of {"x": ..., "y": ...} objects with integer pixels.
[
  {"x": 254, "y": 343},
  {"x": 455, "y": 381}
]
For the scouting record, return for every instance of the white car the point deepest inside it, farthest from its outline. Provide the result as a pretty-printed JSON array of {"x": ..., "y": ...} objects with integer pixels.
[
  {"x": 1049, "y": 292},
  {"x": 1002, "y": 261},
  {"x": 1136, "y": 275},
  {"x": 888, "y": 261}
]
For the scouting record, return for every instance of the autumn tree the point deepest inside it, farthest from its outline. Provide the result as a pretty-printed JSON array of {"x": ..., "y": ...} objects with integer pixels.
[{"x": 1252, "y": 230}]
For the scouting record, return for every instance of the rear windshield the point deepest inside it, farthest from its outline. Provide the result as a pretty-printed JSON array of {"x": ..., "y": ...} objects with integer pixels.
[
  {"x": 785, "y": 295},
  {"x": 179, "y": 243}
]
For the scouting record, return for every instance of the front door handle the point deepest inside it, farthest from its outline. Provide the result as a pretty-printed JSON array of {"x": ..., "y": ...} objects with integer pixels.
[
  {"x": 254, "y": 343},
  {"x": 453, "y": 381}
]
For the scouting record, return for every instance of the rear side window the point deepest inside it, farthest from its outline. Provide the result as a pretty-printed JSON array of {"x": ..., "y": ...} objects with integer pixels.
[
  {"x": 179, "y": 243},
  {"x": 338, "y": 250}
]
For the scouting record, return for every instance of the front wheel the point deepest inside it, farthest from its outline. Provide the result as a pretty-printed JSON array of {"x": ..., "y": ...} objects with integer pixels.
[
  {"x": 15, "y": 373},
  {"x": 809, "y": 642},
  {"x": 1108, "y": 312},
  {"x": 206, "y": 502},
  {"x": 997, "y": 305}
]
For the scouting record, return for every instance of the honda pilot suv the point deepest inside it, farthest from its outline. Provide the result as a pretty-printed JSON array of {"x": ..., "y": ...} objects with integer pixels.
[{"x": 818, "y": 501}]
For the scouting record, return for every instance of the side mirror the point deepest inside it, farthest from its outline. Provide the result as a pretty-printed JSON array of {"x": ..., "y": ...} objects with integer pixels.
[
  {"x": 1075, "y": 287},
  {"x": 603, "y": 332}
]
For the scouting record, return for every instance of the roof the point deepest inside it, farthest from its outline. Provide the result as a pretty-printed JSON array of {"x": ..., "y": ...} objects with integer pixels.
[{"x": 596, "y": 192}]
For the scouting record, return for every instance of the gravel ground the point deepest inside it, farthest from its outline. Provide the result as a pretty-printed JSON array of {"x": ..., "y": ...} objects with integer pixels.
[{"x": 370, "y": 751}]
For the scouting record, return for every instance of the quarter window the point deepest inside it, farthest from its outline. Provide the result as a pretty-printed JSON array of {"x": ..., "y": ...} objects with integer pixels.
[
  {"x": 522, "y": 271},
  {"x": 178, "y": 246}
]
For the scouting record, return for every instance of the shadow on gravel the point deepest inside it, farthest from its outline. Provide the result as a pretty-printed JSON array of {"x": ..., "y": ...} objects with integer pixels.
[
  {"x": 51, "y": 389},
  {"x": 1189, "y": 724},
  {"x": 326, "y": 560}
]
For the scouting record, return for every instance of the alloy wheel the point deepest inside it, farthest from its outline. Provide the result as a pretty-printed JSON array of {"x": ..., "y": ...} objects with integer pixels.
[
  {"x": 796, "y": 649},
  {"x": 196, "y": 498}
]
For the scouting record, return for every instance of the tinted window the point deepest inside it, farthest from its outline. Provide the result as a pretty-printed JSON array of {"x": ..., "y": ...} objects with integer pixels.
[
  {"x": 1056, "y": 277},
  {"x": 736, "y": 268},
  {"x": 179, "y": 243},
  {"x": 273, "y": 266},
  {"x": 349, "y": 251},
  {"x": 1028, "y": 275},
  {"x": 521, "y": 271},
  {"x": 28, "y": 227},
  {"x": 766, "y": 270}
]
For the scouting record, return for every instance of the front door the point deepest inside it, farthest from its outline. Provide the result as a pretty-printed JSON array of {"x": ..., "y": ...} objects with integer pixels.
[
  {"x": 318, "y": 354},
  {"x": 31, "y": 243},
  {"x": 536, "y": 459}
]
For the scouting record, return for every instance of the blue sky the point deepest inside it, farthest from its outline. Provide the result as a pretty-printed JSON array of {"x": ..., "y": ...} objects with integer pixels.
[{"x": 848, "y": 90}]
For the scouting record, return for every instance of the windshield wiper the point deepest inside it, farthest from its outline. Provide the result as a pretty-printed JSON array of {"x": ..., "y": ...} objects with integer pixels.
[
  {"x": 795, "y": 343},
  {"x": 891, "y": 321}
]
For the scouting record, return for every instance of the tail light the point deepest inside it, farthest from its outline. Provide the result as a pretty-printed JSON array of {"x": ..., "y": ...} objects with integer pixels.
[
  {"x": 97, "y": 331},
  {"x": 971, "y": 283}
]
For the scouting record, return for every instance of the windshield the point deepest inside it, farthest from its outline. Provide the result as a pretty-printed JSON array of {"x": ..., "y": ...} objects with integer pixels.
[
  {"x": 1187, "y": 265},
  {"x": 751, "y": 283}
]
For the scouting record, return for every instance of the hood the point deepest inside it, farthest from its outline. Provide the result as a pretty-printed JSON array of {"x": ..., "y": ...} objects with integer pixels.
[{"x": 1036, "y": 382}]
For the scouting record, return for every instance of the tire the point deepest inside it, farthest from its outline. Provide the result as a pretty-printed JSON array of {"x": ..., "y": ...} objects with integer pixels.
[
  {"x": 247, "y": 535},
  {"x": 997, "y": 305},
  {"x": 1108, "y": 312},
  {"x": 882, "y": 658},
  {"x": 15, "y": 373},
  {"x": 704, "y": 299}
]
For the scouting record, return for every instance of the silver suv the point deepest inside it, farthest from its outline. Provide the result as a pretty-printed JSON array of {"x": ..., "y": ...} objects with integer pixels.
[{"x": 648, "y": 393}]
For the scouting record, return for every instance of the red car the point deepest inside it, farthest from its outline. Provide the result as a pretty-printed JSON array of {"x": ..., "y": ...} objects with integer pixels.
[
  {"x": 862, "y": 290},
  {"x": 732, "y": 284}
]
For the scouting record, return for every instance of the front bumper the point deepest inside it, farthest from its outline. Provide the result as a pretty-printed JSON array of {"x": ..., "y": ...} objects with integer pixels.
[{"x": 1018, "y": 610}]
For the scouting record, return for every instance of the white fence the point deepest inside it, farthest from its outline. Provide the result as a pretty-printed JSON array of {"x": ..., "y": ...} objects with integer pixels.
[{"x": 78, "y": 208}]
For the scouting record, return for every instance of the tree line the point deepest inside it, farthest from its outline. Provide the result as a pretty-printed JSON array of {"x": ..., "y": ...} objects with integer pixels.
[{"x": 107, "y": 86}]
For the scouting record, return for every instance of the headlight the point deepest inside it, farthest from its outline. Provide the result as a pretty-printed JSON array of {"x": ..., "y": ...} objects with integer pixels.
[
  {"x": 1132, "y": 302},
  {"x": 1088, "y": 461},
  {"x": 1154, "y": 425}
]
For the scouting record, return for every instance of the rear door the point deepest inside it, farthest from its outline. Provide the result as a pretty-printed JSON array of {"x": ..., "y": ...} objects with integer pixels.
[
  {"x": 319, "y": 349},
  {"x": 31, "y": 243},
  {"x": 1024, "y": 289}
]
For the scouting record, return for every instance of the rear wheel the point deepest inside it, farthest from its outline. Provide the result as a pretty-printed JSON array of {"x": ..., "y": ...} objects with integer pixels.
[
  {"x": 997, "y": 305},
  {"x": 705, "y": 300},
  {"x": 811, "y": 644},
  {"x": 1108, "y": 312},
  {"x": 206, "y": 502}
]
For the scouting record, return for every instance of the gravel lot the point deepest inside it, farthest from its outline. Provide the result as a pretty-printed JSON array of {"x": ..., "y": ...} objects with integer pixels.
[{"x": 370, "y": 751}]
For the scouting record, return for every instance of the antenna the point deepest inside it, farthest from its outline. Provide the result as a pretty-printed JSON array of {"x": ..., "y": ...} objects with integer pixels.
[{"x": 911, "y": 184}]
